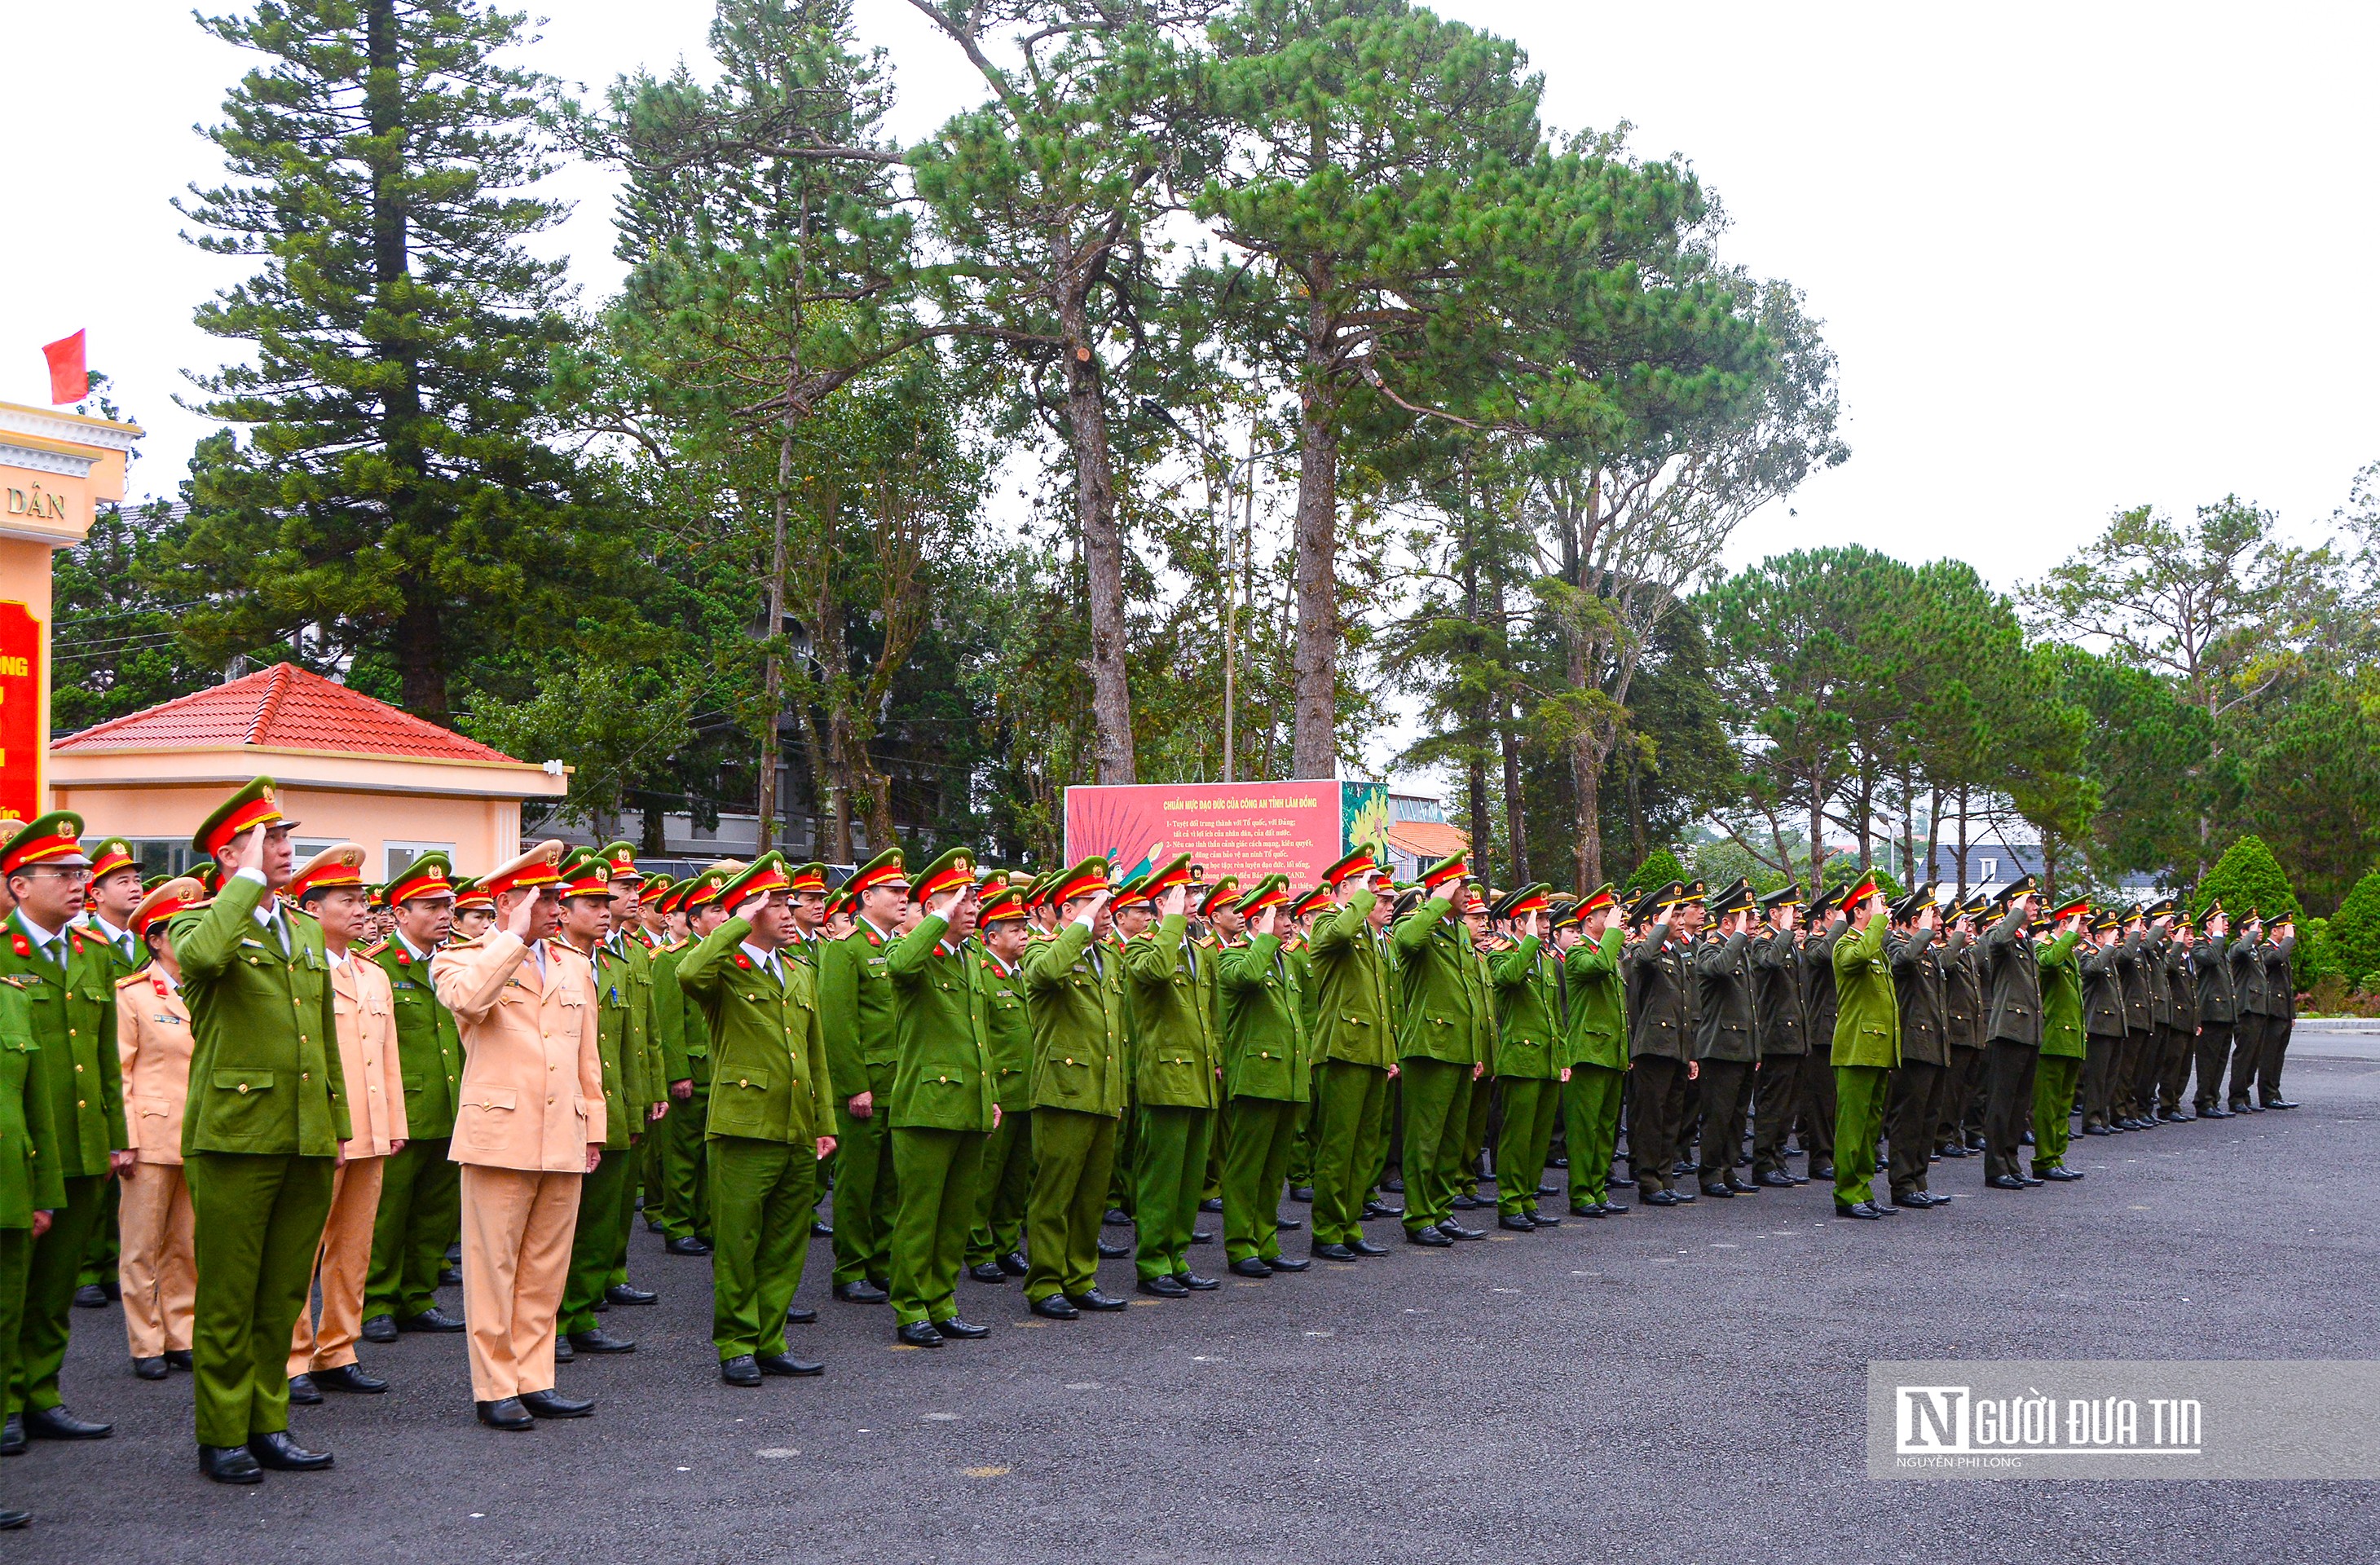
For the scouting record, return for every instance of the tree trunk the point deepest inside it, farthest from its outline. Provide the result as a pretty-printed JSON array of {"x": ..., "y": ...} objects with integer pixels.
[
  {"x": 773, "y": 672},
  {"x": 1586, "y": 778},
  {"x": 1933, "y": 831},
  {"x": 1516, "y": 821},
  {"x": 421, "y": 661},
  {"x": 1817, "y": 833},
  {"x": 1094, "y": 513},
  {"x": 421, "y": 658},
  {"x": 1482, "y": 822},
  {"x": 1314, "y": 744}
]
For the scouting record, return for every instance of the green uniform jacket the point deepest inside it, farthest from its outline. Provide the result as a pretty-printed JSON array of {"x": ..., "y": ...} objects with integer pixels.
[
  {"x": 1656, "y": 973},
  {"x": 769, "y": 1075},
  {"x": 30, "y": 1179},
  {"x": 1351, "y": 983},
  {"x": 1527, "y": 1037},
  {"x": 1011, "y": 1038},
  {"x": 1724, "y": 1017},
  {"x": 264, "y": 1065},
  {"x": 856, "y": 995},
  {"x": 943, "y": 1079},
  {"x": 2103, "y": 993},
  {"x": 1599, "y": 1006},
  {"x": 1867, "y": 1017},
  {"x": 429, "y": 1049},
  {"x": 1434, "y": 955},
  {"x": 1482, "y": 990},
  {"x": 1777, "y": 1002},
  {"x": 2013, "y": 978},
  {"x": 1918, "y": 985},
  {"x": 75, "y": 1063},
  {"x": 1073, "y": 997},
  {"x": 638, "y": 958},
  {"x": 619, "y": 1042},
  {"x": 678, "y": 1028},
  {"x": 2061, "y": 1000},
  {"x": 1266, "y": 1050},
  {"x": 1175, "y": 1054},
  {"x": 1309, "y": 992}
]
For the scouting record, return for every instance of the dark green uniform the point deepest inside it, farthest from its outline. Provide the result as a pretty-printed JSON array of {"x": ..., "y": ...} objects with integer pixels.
[
  {"x": 101, "y": 1251},
  {"x": 2061, "y": 1053},
  {"x": 1727, "y": 1045},
  {"x": 70, "y": 994},
  {"x": 1778, "y": 1016},
  {"x": 2012, "y": 1026},
  {"x": 1005, "y": 1182},
  {"x": 1528, "y": 1067},
  {"x": 261, "y": 1132},
  {"x": 421, "y": 1191},
  {"x": 942, "y": 1112},
  {"x": 1075, "y": 1001},
  {"x": 636, "y": 958},
  {"x": 1357, "y": 1045},
  {"x": 863, "y": 1051},
  {"x": 1174, "y": 1065},
  {"x": 771, "y": 1097},
  {"x": 1659, "y": 1044},
  {"x": 1595, "y": 1046},
  {"x": 1437, "y": 1047},
  {"x": 1268, "y": 1073},
  {"x": 600, "y": 1241},
  {"x": 1920, "y": 990},
  {"x": 1866, "y": 1050}
]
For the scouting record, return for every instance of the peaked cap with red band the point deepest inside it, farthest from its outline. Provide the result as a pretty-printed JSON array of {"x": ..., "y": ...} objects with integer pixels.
[
  {"x": 620, "y": 859},
  {"x": 1006, "y": 902},
  {"x": 1358, "y": 862},
  {"x": 110, "y": 856},
  {"x": 808, "y": 878},
  {"x": 1270, "y": 891},
  {"x": 2078, "y": 906},
  {"x": 429, "y": 875},
  {"x": 762, "y": 876},
  {"x": 1175, "y": 872},
  {"x": 341, "y": 864},
  {"x": 1311, "y": 902},
  {"x": 887, "y": 868},
  {"x": 539, "y": 867},
  {"x": 1603, "y": 896},
  {"x": 1087, "y": 878},
  {"x": 1222, "y": 893},
  {"x": 704, "y": 889},
  {"x": 953, "y": 871},
  {"x": 257, "y": 805},
  {"x": 585, "y": 874},
  {"x": 54, "y": 838},
  {"x": 164, "y": 902},
  {"x": 1446, "y": 870},
  {"x": 472, "y": 894}
]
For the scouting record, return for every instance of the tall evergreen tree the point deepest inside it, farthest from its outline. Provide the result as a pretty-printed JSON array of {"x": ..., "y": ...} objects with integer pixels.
[{"x": 392, "y": 493}]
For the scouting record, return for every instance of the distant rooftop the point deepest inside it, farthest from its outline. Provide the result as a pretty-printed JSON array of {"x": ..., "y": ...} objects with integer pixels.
[{"x": 281, "y": 707}]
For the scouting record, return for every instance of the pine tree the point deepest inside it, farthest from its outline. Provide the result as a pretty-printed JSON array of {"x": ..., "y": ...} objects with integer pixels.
[
  {"x": 2248, "y": 877},
  {"x": 391, "y": 494}
]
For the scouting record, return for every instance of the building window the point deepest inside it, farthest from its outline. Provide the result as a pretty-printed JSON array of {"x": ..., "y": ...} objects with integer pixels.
[
  {"x": 1986, "y": 870},
  {"x": 397, "y": 857}
]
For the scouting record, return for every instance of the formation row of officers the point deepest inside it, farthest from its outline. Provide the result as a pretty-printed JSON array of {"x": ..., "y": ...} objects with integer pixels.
[{"x": 985, "y": 1070}]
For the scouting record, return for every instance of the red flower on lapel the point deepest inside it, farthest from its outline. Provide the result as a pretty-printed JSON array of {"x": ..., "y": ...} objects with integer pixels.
[
  {"x": 75, "y": 942},
  {"x": 403, "y": 959},
  {"x": 742, "y": 960},
  {"x": 20, "y": 945}
]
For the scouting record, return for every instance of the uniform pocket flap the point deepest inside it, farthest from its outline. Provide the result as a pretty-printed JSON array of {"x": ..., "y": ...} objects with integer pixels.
[
  {"x": 752, "y": 1079},
  {"x": 242, "y": 1080},
  {"x": 493, "y": 1098}
]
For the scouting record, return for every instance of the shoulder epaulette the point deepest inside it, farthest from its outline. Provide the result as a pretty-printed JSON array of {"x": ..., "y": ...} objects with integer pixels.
[
  {"x": 373, "y": 951},
  {"x": 140, "y": 975}
]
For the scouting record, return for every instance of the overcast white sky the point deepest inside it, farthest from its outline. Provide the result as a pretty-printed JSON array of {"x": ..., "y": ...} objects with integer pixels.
[{"x": 2072, "y": 257}]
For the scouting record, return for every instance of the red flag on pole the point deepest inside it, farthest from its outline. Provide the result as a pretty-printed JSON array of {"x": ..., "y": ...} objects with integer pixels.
[{"x": 69, "y": 375}]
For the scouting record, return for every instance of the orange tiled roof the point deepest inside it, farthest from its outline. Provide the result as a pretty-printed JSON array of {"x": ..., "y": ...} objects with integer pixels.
[
  {"x": 281, "y": 707},
  {"x": 1428, "y": 841}
]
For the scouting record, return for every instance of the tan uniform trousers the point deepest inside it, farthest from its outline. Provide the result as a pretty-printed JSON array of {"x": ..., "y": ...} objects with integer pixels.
[
  {"x": 340, "y": 1262},
  {"x": 156, "y": 1265},
  {"x": 517, "y": 1226}
]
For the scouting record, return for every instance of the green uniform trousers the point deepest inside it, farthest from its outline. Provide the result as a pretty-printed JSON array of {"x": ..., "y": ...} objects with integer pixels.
[
  {"x": 761, "y": 1193},
  {"x": 1073, "y": 1153},
  {"x": 420, "y": 1206},
  {"x": 936, "y": 1170},
  {"x": 685, "y": 1168},
  {"x": 631, "y": 1180},
  {"x": 102, "y": 1250},
  {"x": 16, "y": 1266},
  {"x": 1348, "y": 1145},
  {"x": 1591, "y": 1127},
  {"x": 51, "y": 1278},
  {"x": 257, "y": 1223},
  {"x": 867, "y": 1188},
  {"x": 1859, "y": 1118},
  {"x": 1437, "y": 1106},
  {"x": 1476, "y": 1111},
  {"x": 1172, "y": 1173},
  {"x": 600, "y": 1233},
  {"x": 651, "y": 1183},
  {"x": 1309, "y": 1115},
  {"x": 2053, "y": 1108},
  {"x": 1261, "y": 1133},
  {"x": 1124, "y": 1166},
  {"x": 1530, "y": 1107},
  {"x": 1211, "y": 1188},
  {"x": 1002, "y": 1187}
]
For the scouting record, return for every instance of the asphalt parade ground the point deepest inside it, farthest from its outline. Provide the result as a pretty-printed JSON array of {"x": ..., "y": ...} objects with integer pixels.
[{"x": 1669, "y": 1385}]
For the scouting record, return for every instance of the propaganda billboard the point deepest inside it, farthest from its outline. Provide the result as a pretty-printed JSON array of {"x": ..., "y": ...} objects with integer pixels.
[{"x": 1242, "y": 829}]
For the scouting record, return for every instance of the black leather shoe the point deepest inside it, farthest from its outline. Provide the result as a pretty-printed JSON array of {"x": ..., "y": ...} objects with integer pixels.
[
  {"x": 1685, "y": 1197},
  {"x": 1303, "y": 1194},
  {"x": 1011, "y": 1263},
  {"x": 1740, "y": 1187},
  {"x": 57, "y": 1424},
  {"x": 2005, "y": 1181},
  {"x": 2029, "y": 1182},
  {"x": 622, "y": 1294},
  {"x": 1466, "y": 1204},
  {"x": 1212, "y": 1204},
  {"x": 1195, "y": 1283},
  {"x": 431, "y": 1319},
  {"x": 1430, "y": 1237},
  {"x": 12, "y": 1436},
  {"x": 1094, "y": 1300},
  {"x": 787, "y": 1365},
  {"x": 1517, "y": 1222},
  {"x": 150, "y": 1368},
  {"x": 800, "y": 1315},
  {"x": 1774, "y": 1179},
  {"x": 1660, "y": 1198},
  {"x": 2062, "y": 1174},
  {"x": 860, "y": 1293},
  {"x": 1055, "y": 1307},
  {"x": 91, "y": 1296},
  {"x": 741, "y": 1370},
  {"x": 280, "y": 1452},
  {"x": 1331, "y": 1253},
  {"x": 1542, "y": 1221},
  {"x": 380, "y": 1328},
  {"x": 917, "y": 1334},
  {"x": 1286, "y": 1262},
  {"x": 180, "y": 1358},
  {"x": 2096, "y": 1130},
  {"x": 988, "y": 1272},
  {"x": 1287, "y": 1225},
  {"x": 1116, "y": 1217},
  {"x": 687, "y": 1244},
  {"x": 1610, "y": 1210},
  {"x": 2280, "y": 1103},
  {"x": 230, "y": 1464},
  {"x": 1454, "y": 1229},
  {"x": 822, "y": 1228},
  {"x": 1113, "y": 1252},
  {"x": 965, "y": 1331},
  {"x": 1950, "y": 1152},
  {"x": 450, "y": 1277},
  {"x": 1822, "y": 1171},
  {"x": 554, "y": 1404},
  {"x": 505, "y": 1414},
  {"x": 1201, "y": 1236},
  {"x": 600, "y": 1341},
  {"x": 12, "y": 1520},
  {"x": 1868, "y": 1209},
  {"x": 1719, "y": 1191},
  {"x": 1364, "y": 1246},
  {"x": 1163, "y": 1288},
  {"x": 2213, "y": 1113},
  {"x": 351, "y": 1377},
  {"x": 1395, "y": 1183},
  {"x": 302, "y": 1393},
  {"x": 562, "y": 1353},
  {"x": 1251, "y": 1267},
  {"x": 1382, "y": 1210}
]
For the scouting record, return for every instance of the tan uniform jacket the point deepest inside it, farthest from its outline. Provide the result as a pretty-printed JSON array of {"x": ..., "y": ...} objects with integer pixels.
[
  {"x": 532, "y": 1092},
  {"x": 152, "y": 1046},
  {"x": 368, "y": 1056}
]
